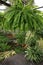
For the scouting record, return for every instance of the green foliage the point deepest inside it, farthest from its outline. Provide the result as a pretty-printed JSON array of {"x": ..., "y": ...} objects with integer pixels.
[
  {"x": 33, "y": 52},
  {"x": 20, "y": 17},
  {"x": 31, "y": 41},
  {"x": 3, "y": 43},
  {"x": 19, "y": 49},
  {"x": 39, "y": 33},
  {"x": 30, "y": 2},
  {"x": 20, "y": 38},
  {"x": 2, "y": 19},
  {"x": 3, "y": 39},
  {"x": 4, "y": 47}
]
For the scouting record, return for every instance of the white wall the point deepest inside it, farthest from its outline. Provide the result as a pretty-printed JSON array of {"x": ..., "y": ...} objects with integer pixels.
[{"x": 39, "y": 3}]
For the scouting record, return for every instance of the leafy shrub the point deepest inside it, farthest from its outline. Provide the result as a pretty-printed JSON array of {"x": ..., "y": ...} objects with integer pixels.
[
  {"x": 39, "y": 33},
  {"x": 33, "y": 51},
  {"x": 4, "y": 47},
  {"x": 20, "y": 37},
  {"x": 3, "y": 39}
]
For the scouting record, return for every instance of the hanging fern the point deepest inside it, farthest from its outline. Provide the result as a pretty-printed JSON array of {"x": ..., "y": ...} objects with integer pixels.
[{"x": 20, "y": 17}]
